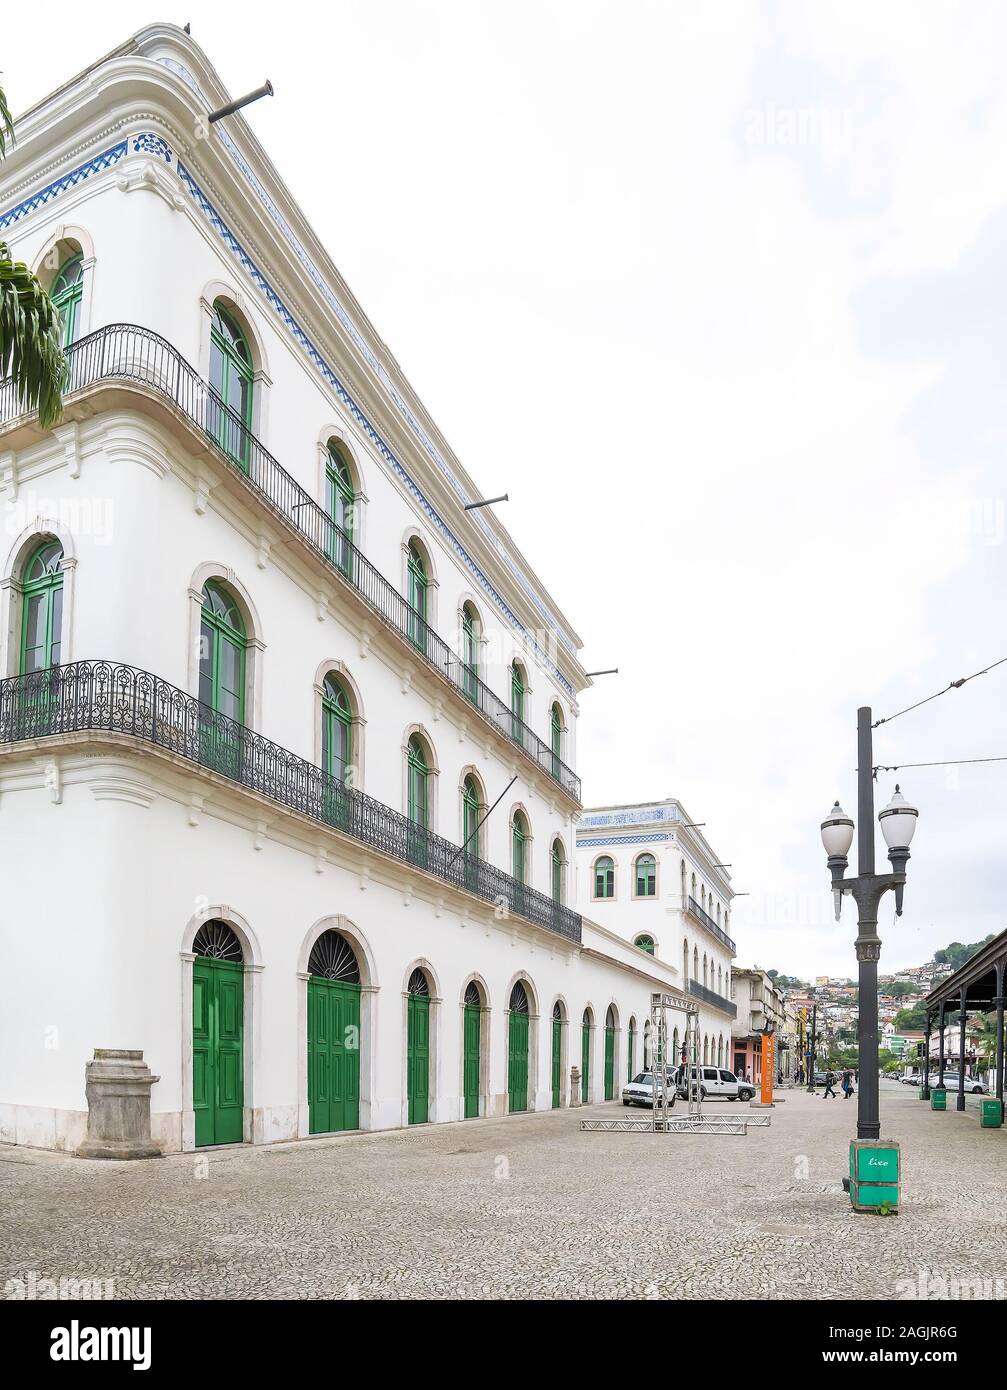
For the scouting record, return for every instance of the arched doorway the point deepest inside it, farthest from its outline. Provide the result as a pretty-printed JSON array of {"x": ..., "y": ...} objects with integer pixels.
[
  {"x": 631, "y": 1066},
  {"x": 585, "y": 1057},
  {"x": 557, "y": 1055},
  {"x": 218, "y": 1035},
  {"x": 418, "y": 1047},
  {"x": 610, "y": 1054},
  {"x": 472, "y": 1046},
  {"x": 333, "y": 1035},
  {"x": 517, "y": 1049}
]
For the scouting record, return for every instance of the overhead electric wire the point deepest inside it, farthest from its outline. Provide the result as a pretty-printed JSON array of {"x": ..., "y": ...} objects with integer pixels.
[
  {"x": 954, "y": 685},
  {"x": 947, "y": 762}
]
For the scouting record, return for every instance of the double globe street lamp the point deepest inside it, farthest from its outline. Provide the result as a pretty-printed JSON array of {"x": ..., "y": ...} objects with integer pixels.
[{"x": 898, "y": 824}]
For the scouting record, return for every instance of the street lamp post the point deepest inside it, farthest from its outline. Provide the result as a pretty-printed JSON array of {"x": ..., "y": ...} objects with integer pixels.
[
  {"x": 812, "y": 1050},
  {"x": 898, "y": 822}
]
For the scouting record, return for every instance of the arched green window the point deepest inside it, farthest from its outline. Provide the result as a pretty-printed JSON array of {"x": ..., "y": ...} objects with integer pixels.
[
  {"x": 519, "y": 847},
  {"x": 646, "y": 876},
  {"x": 419, "y": 584},
  {"x": 337, "y": 728},
  {"x": 604, "y": 877},
  {"x": 645, "y": 943},
  {"x": 556, "y": 738},
  {"x": 231, "y": 375},
  {"x": 66, "y": 293},
  {"x": 42, "y": 608},
  {"x": 558, "y": 865},
  {"x": 471, "y": 811},
  {"x": 222, "y": 641},
  {"x": 417, "y": 800},
  {"x": 418, "y": 771},
  {"x": 339, "y": 499},
  {"x": 518, "y": 692},
  {"x": 470, "y": 651}
]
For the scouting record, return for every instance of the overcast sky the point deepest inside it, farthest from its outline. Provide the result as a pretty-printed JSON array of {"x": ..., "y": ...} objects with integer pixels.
[{"x": 713, "y": 292}]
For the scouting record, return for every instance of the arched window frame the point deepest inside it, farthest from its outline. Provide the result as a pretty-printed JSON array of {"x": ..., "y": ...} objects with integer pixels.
[
  {"x": 232, "y": 382},
  {"x": 255, "y": 647},
  {"x": 473, "y": 808},
  {"x": 217, "y": 632},
  {"x": 557, "y": 730},
  {"x": 518, "y": 700},
  {"x": 338, "y": 753},
  {"x": 646, "y": 943},
  {"x": 650, "y": 879},
  {"x": 340, "y": 505},
  {"x": 557, "y": 876},
  {"x": 520, "y": 846},
  {"x": 419, "y": 586},
  {"x": 609, "y": 871},
  {"x": 237, "y": 307},
  {"x": 67, "y": 294},
  {"x": 45, "y": 589},
  {"x": 470, "y": 627}
]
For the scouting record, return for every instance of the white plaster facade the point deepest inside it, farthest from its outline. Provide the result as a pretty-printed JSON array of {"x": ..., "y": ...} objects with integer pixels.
[
  {"x": 687, "y": 915},
  {"x": 114, "y": 851}
]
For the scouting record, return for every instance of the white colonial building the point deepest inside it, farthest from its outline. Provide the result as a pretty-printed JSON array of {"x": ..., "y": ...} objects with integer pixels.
[
  {"x": 263, "y": 676},
  {"x": 648, "y": 874}
]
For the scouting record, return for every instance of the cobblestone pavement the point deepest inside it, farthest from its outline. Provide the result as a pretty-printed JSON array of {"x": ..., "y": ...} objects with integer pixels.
[{"x": 522, "y": 1207}]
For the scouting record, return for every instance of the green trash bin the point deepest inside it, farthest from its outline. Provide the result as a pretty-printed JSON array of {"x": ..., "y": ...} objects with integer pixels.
[
  {"x": 938, "y": 1099},
  {"x": 991, "y": 1113},
  {"x": 875, "y": 1174}
]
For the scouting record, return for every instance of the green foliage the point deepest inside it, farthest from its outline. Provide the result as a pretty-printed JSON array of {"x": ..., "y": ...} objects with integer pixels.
[
  {"x": 911, "y": 1020},
  {"x": 956, "y": 954},
  {"x": 6, "y": 124},
  {"x": 31, "y": 346}
]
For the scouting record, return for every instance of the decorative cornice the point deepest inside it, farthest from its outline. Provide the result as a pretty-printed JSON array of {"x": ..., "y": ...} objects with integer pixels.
[{"x": 624, "y": 839}]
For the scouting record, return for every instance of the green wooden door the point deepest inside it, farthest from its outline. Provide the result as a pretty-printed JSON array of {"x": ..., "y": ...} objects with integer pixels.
[
  {"x": 609, "y": 1062},
  {"x": 631, "y": 1068},
  {"x": 472, "y": 1028},
  {"x": 557, "y": 1061},
  {"x": 585, "y": 1061},
  {"x": 517, "y": 1062},
  {"x": 333, "y": 1056},
  {"x": 218, "y": 1095},
  {"x": 418, "y": 1058}
]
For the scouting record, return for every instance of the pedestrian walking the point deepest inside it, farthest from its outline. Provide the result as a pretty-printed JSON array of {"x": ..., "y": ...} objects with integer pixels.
[
  {"x": 830, "y": 1081},
  {"x": 847, "y": 1083}
]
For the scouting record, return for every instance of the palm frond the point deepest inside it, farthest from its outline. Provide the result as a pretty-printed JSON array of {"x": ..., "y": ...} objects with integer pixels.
[
  {"x": 6, "y": 124},
  {"x": 31, "y": 347}
]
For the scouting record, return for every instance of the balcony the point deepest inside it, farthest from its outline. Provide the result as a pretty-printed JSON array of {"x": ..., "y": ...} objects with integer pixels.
[
  {"x": 127, "y": 353},
  {"x": 103, "y": 696},
  {"x": 715, "y": 1000},
  {"x": 707, "y": 921}
]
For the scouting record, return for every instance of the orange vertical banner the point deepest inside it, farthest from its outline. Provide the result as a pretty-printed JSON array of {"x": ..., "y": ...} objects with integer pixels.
[{"x": 768, "y": 1065}]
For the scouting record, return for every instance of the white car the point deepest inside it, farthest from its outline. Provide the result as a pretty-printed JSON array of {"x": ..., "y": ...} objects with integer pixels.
[
  {"x": 715, "y": 1083},
  {"x": 640, "y": 1091},
  {"x": 949, "y": 1082}
]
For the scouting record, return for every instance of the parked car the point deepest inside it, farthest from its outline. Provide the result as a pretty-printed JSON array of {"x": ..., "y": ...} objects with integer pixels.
[
  {"x": 640, "y": 1091},
  {"x": 949, "y": 1082},
  {"x": 913, "y": 1079},
  {"x": 714, "y": 1083}
]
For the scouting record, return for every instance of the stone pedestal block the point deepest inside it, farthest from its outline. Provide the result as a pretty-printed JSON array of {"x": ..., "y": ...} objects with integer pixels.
[
  {"x": 575, "y": 1085},
  {"x": 117, "y": 1085}
]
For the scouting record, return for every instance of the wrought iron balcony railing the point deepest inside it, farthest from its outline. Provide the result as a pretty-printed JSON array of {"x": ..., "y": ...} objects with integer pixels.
[
  {"x": 125, "y": 352},
  {"x": 711, "y": 925},
  {"x": 103, "y": 695},
  {"x": 710, "y": 996}
]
